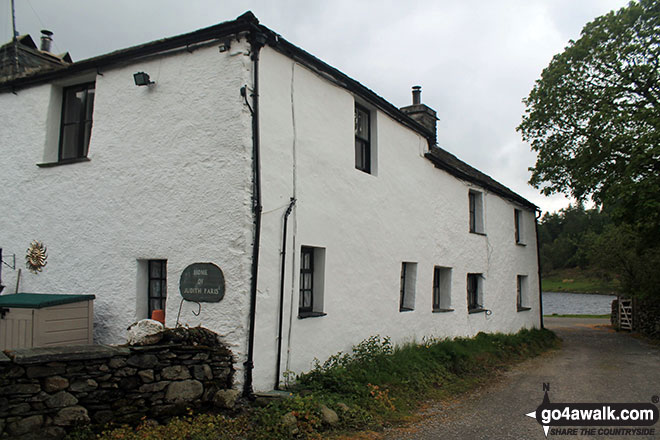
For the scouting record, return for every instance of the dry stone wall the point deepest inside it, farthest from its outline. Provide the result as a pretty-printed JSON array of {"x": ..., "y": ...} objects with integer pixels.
[{"x": 46, "y": 391}]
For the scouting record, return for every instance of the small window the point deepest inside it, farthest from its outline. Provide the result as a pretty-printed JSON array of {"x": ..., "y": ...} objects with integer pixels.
[
  {"x": 441, "y": 289},
  {"x": 362, "y": 139},
  {"x": 312, "y": 262},
  {"x": 76, "y": 122},
  {"x": 407, "y": 287},
  {"x": 518, "y": 226},
  {"x": 475, "y": 292},
  {"x": 157, "y": 286},
  {"x": 475, "y": 199},
  {"x": 522, "y": 299}
]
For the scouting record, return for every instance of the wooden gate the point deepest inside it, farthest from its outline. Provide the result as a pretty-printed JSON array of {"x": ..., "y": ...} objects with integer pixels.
[{"x": 625, "y": 314}]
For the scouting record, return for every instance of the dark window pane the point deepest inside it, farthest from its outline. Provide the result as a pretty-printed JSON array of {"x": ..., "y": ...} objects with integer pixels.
[
  {"x": 72, "y": 106},
  {"x": 155, "y": 288},
  {"x": 359, "y": 154},
  {"x": 70, "y": 134},
  {"x": 155, "y": 269}
]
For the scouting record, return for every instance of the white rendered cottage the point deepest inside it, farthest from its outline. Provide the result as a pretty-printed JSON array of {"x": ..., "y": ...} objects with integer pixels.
[{"x": 333, "y": 215}]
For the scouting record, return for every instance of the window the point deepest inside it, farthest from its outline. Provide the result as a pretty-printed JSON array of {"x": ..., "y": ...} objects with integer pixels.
[
  {"x": 407, "y": 287},
  {"x": 157, "y": 286},
  {"x": 441, "y": 289},
  {"x": 312, "y": 262},
  {"x": 475, "y": 292},
  {"x": 362, "y": 139},
  {"x": 518, "y": 226},
  {"x": 76, "y": 121},
  {"x": 521, "y": 293},
  {"x": 475, "y": 199}
]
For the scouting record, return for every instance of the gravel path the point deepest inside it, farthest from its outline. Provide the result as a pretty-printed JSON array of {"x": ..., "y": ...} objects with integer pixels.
[{"x": 595, "y": 364}]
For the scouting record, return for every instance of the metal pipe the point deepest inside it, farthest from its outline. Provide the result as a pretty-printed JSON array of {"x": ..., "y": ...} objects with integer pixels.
[
  {"x": 538, "y": 264},
  {"x": 281, "y": 315},
  {"x": 257, "y": 40},
  {"x": 417, "y": 95}
]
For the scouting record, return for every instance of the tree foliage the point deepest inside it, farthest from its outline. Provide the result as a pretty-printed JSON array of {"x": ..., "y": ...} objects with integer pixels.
[
  {"x": 565, "y": 237},
  {"x": 594, "y": 115}
]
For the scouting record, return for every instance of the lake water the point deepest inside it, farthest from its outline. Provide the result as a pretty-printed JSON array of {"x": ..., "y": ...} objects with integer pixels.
[{"x": 563, "y": 303}]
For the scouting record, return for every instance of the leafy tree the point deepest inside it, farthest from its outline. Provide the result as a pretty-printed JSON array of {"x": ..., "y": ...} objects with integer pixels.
[
  {"x": 621, "y": 249},
  {"x": 594, "y": 116},
  {"x": 563, "y": 236}
]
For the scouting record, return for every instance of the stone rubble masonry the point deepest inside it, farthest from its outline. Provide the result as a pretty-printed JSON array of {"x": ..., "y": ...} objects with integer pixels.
[{"x": 45, "y": 391}]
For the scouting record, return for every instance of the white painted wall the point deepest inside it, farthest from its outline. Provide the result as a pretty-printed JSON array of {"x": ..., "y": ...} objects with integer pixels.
[
  {"x": 368, "y": 225},
  {"x": 169, "y": 177}
]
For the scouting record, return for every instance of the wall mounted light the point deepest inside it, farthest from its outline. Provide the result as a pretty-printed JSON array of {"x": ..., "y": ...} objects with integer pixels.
[{"x": 142, "y": 79}]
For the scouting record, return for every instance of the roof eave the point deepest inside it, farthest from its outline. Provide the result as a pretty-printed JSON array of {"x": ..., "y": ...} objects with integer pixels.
[{"x": 498, "y": 189}]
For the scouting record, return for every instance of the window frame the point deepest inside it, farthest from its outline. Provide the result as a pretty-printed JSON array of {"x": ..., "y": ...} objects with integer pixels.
[
  {"x": 476, "y": 212},
  {"x": 475, "y": 295},
  {"x": 441, "y": 289},
  {"x": 521, "y": 293},
  {"x": 518, "y": 226},
  {"x": 316, "y": 290},
  {"x": 407, "y": 286},
  {"x": 302, "y": 309},
  {"x": 162, "y": 296},
  {"x": 82, "y": 145},
  {"x": 365, "y": 144}
]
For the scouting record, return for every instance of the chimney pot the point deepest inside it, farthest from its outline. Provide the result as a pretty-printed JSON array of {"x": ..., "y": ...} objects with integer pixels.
[
  {"x": 417, "y": 95},
  {"x": 46, "y": 40}
]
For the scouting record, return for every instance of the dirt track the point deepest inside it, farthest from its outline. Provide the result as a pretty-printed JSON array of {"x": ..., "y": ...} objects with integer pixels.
[{"x": 595, "y": 364}]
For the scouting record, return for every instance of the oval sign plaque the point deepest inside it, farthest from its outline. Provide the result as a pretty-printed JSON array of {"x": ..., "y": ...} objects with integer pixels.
[{"x": 202, "y": 282}]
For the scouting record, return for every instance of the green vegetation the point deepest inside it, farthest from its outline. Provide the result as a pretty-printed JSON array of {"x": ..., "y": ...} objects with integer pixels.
[
  {"x": 375, "y": 384},
  {"x": 554, "y": 315},
  {"x": 594, "y": 120},
  {"x": 579, "y": 281}
]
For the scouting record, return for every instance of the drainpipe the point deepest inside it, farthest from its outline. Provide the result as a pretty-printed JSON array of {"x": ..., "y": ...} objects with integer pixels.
[
  {"x": 257, "y": 39},
  {"x": 538, "y": 264},
  {"x": 281, "y": 316}
]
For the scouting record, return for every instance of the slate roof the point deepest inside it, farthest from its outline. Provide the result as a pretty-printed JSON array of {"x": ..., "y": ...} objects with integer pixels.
[
  {"x": 24, "y": 59},
  {"x": 248, "y": 22}
]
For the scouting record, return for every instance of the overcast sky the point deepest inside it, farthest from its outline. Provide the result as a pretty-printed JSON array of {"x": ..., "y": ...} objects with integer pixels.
[{"x": 475, "y": 59}]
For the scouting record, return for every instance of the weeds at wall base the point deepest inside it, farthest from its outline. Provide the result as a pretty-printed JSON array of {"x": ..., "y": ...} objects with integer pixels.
[{"x": 375, "y": 385}]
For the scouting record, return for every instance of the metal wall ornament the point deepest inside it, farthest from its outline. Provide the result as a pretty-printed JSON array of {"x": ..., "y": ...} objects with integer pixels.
[{"x": 35, "y": 259}]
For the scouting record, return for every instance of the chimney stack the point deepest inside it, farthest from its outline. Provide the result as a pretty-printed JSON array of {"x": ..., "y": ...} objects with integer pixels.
[
  {"x": 46, "y": 40},
  {"x": 421, "y": 113}
]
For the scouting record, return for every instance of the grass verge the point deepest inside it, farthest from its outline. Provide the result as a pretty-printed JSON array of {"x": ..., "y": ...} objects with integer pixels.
[{"x": 375, "y": 384}]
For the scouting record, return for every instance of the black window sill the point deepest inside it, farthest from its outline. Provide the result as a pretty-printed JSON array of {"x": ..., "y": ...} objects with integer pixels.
[
  {"x": 405, "y": 309},
  {"x": 303, "y": 315},
  {"x": 478, "y": 233},
  {"x": 63, "y": 162},
  {"x": 442, "y": 310},
  {"x": 477, "y": 310},
  {"x": 523, "y": 309},
  {"x": 521, "y": 244}
]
